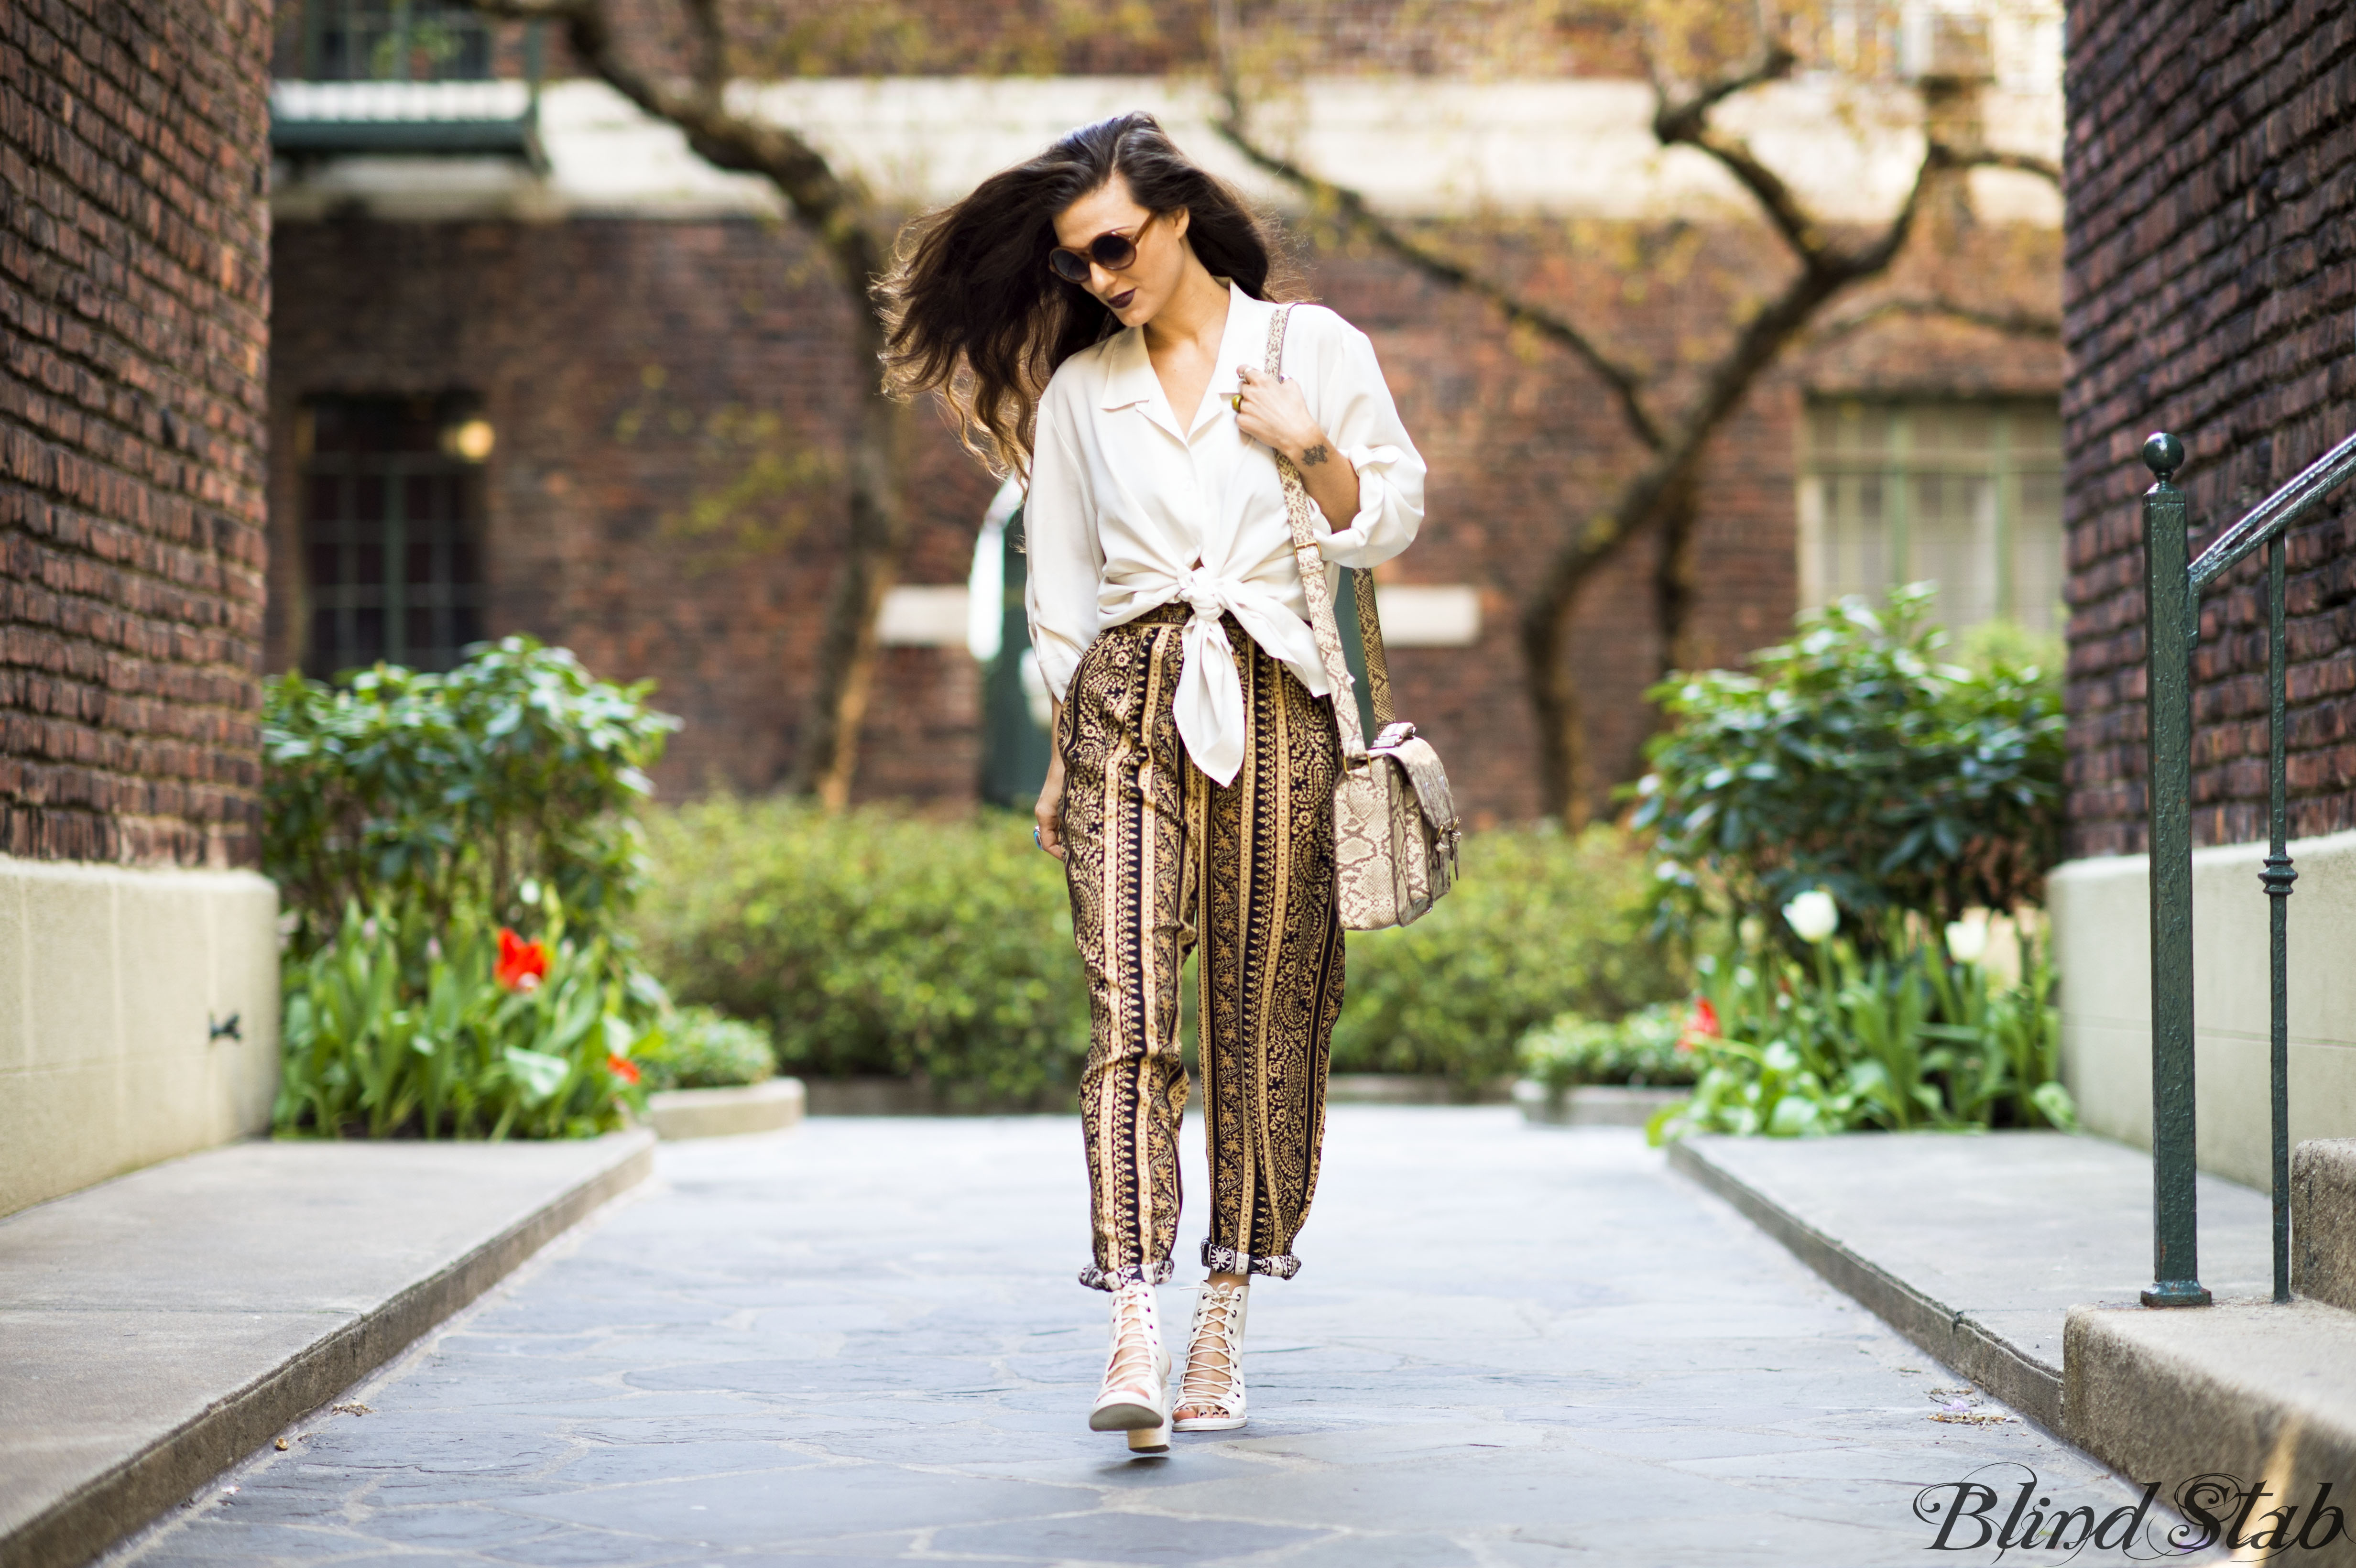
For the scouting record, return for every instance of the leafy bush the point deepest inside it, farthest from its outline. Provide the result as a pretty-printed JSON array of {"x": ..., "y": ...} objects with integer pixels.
[
  {"x": 1542, "y": 923},
  {"x": 1644, "y": 1047},
  {"x": 875, "y": 941},
  {"x": 400, "y": 1025},
  {"x": 448, "y": 808},
  {"x": 1850, "y": 759},
  {"x": 699, "y": 1049},
  {"x": 516, "y": 772},
  {"x": 1905, "y": 1037}
]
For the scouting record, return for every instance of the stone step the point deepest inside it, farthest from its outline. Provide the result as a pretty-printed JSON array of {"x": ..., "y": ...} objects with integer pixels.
[
  {"x": 2323, "y": 1221},
  {"x": 2017, "y": 1259},
  {"x": 1976, "y": 1245},
  {"x": 2213, "y": 1400}
]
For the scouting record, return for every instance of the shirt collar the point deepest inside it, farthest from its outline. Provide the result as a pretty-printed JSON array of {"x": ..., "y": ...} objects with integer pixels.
[
  {"x": 1128, "y": 378},
  {"x": 1245, "y": 341}
]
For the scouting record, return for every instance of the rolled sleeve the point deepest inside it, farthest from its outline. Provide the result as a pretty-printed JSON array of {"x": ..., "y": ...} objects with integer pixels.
[
  {"x": 1356, "y": 412},
  {"x": 1063, "y": 561}
]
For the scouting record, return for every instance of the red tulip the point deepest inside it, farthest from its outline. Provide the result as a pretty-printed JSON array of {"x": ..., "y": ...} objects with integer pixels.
[
  {"x": 623, "y": 1068},
  {"x": 522, "y": 964},
  {"x": 1701, "y": 1025}
]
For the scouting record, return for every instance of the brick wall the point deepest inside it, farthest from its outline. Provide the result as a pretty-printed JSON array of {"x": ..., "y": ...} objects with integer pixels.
[
  {"x": 2211, "y": 275},
  {"x": 608, "y": 354},
  {"x": 133, "y": 308},
  {"x": 624, "y": 366}
]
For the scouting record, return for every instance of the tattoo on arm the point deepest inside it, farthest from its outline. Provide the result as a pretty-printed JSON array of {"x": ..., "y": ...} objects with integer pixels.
[{"x": 1314, "y": 456}]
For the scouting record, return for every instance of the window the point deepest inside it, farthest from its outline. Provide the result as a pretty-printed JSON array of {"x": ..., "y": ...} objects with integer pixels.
[
  {"x": 394, "y": 40},
  {"x": 392, "y": 512},
  {"x": 1967, "y": 494}
]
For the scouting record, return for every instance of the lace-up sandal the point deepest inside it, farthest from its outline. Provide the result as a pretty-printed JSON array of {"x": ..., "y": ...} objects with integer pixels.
[
  {"x": 1211, "y": 1393},
  {"x": 1135, "y": 1397}
]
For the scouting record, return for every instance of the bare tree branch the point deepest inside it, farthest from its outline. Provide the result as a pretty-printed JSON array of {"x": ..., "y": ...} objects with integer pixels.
[
  {"x": 2013, "y": 322},
  {"x": 1674, "y": 123},
  {"x": 832, "y": 209},
  {"x": 711, "y": 48},
  {"x": 838, "y": 214},
  {"x": 1351, "y": 209},
  {"x": 2026, "y": 162}
]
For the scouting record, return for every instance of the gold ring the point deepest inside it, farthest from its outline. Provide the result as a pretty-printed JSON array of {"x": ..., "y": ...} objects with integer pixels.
[{"x": 1236, "y": 401}]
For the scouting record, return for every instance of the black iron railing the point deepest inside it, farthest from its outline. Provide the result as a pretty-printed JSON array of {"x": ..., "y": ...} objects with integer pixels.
[
  {"x": 371, "y": 44},
  {"x": 2173, "y": 589}
]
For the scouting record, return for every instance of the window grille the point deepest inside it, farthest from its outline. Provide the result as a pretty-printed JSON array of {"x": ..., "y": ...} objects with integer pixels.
[
  {"x": 1967, "y": 494},
  {"x": 394, "y": 40},
  {"x": 391, "y": 526}
]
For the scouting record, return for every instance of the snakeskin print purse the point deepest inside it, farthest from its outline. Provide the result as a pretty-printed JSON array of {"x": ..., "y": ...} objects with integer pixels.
[{"x": 1394, "y": 827}]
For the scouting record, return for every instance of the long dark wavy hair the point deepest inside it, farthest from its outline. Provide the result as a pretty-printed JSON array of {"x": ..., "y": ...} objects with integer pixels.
[{"x": 973, "y": 310}]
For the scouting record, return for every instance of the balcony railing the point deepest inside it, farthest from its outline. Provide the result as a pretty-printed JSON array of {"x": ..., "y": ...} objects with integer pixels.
[
  {"x": 2173, "y": 594},
  {"x": 403, "y": 77}
]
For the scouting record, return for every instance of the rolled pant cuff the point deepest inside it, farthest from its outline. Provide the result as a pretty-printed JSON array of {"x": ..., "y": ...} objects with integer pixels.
[
  {"x": 1156, "y": 1272},
  {"x": 1226, "y": 1260}
]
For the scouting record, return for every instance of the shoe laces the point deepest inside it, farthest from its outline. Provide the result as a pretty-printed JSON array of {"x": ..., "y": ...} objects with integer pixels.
[
  {"x": 1136, "y": 1355},
  {"x": 1216, "y": 1319}
]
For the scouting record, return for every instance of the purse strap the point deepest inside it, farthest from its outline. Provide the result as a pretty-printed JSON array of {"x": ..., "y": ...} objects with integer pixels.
[{"x": 1314, "y": 585}]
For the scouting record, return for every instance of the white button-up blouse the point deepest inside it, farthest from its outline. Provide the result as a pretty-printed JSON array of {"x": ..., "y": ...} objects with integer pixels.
[{"x": 1128, "y": 513}]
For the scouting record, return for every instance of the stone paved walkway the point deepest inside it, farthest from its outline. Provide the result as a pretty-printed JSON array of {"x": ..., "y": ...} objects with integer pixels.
[{"x": 861, "y": 1342}]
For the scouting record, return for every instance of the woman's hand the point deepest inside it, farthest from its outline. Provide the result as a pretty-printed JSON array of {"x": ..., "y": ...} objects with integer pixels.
[
  {"x": 1274, "y": 411},
  {"x": 1050, "y": 809}
]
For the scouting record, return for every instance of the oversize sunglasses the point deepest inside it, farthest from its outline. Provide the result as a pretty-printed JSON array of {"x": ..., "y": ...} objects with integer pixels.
[{"x": 1110, "y": 251}]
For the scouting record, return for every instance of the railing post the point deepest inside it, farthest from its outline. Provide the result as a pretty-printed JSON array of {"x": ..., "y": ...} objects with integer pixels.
[
  {"x": 2276, "y": 879},
  {"x": 2170, "y": 628}
]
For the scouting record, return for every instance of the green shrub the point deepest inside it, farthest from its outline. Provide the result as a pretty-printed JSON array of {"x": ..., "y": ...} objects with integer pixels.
[
  {"x": 1644, "y": 1047},
  {"x": 399, "y": 1024},
  {"x": 699, "y": 1049},
  {"x": 1542, "y": 923},
  {"x": 516, "y": 772},
  {"x": 449, "y": 808},
  {"x": 880, "y": 941},
  {"x": 875, "y": 941},
  {"x": 1851, "y": 759},
  {"x": 1900, "y": 1038}
]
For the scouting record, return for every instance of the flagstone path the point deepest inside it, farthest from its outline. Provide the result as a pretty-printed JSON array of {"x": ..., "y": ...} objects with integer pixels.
[{"x": 861, "y": 1342}]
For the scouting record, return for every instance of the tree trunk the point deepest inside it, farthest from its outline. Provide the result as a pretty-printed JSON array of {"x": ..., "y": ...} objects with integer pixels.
[
  {"x": 1673, "y": 579},
  {"x": 1562, "y": 725},
  {"x": 827, "y": 755}
]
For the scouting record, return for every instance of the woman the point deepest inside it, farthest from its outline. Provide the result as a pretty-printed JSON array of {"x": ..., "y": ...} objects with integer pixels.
[{"x": 1099, "y": 317}]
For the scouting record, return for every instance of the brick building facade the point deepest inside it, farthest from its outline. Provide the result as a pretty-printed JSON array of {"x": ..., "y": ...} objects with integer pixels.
[
  {"x": 134, "y": 294},
  {"x": 607, "y": 353},
  {"x": 2211, "y": 292},
  {"x": 625, "y": 359}
]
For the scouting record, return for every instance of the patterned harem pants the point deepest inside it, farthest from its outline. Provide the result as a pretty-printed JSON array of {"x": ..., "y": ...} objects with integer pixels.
[{"x": 1160, "y": 859}]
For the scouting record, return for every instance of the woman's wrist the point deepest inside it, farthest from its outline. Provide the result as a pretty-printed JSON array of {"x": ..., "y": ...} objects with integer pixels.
[{"x": 1313, "y": 451}]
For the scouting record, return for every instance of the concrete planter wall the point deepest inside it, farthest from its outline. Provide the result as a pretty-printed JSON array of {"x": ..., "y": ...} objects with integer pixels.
[
  {"x": 722, "y": 1113},
  {"x": 2101, "y": 945},
  {"x": 1594, "y": 1105},
  {"x": 118, "y": 988},
  {"x": 908, "y": 1097}
]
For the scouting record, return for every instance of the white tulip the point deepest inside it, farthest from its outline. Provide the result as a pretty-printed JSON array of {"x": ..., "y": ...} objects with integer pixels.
[
  {"x": 1812, "y": 916},
  {"x": 1967, "y": 941}
]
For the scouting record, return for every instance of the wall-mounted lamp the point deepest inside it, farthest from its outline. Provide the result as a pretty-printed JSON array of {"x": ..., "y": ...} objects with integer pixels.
[{"x": 470, "y": 439}]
